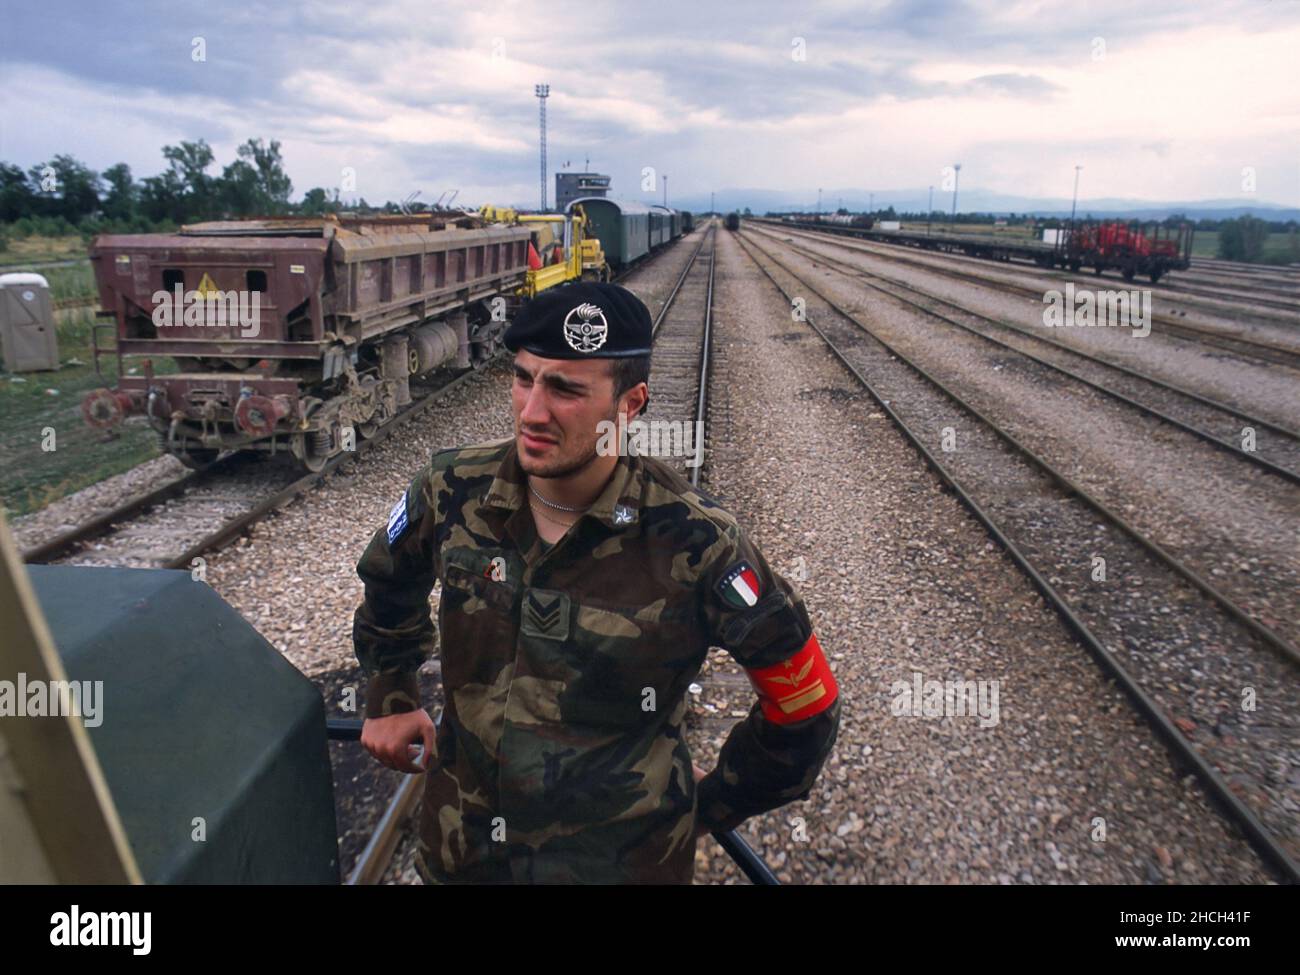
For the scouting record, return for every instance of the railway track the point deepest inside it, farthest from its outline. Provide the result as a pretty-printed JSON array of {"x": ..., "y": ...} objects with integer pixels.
[
  {"x": 1280, "y": 273},
  {"x": 679, "y": 373},
  {"x": 1238, "y": 599},
  {"x": 1241, "y": 345},
  {"x": 1242, "y": 295},
  {"x": 1286, "y": 294},
  {"x": 683, "y": 358},
  {"x": 1241, "y": 285},
  {"x": 1186, "y": 659},
  {"x": 199, "y": 512},
  {"x": 1213, "y": 421}
]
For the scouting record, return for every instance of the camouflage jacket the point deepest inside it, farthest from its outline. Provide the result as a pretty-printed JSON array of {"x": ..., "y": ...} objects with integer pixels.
[{"x": 561, "y": 749}]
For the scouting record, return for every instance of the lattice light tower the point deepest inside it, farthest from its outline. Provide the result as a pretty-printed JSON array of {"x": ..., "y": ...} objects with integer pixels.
[{"x": 542, "y": 92}]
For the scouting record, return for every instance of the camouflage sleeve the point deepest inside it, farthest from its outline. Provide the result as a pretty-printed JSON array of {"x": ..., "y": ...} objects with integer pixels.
[
  {"x": 775, "y": 754},
  {"x": 392, "y": 630}
]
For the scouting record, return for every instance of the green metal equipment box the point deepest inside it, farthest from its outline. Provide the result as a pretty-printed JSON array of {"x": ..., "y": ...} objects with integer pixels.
[{"x": 213, "y": 745}]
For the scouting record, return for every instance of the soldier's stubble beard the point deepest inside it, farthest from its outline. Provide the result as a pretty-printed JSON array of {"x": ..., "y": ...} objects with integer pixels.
[{"x": 568, "y": 465}]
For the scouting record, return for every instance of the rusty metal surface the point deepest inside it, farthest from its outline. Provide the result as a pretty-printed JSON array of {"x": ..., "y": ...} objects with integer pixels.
[
  {"x": 218, "y": 348},
  {"x": 321, "y": 288}
]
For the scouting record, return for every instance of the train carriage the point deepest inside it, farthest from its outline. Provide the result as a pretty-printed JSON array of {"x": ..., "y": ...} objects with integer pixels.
[
  {"x": 673, "y": 220},
  {"x": 660, "y": 227},
  {"x": 622, "y": 226}
]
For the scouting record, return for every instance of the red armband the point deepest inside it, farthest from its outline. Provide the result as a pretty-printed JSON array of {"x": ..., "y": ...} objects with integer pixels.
[{"x": 797, "y": 688}]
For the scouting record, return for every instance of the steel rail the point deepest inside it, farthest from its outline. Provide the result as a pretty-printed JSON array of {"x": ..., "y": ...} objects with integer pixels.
[
  {"x": 1264, "y": 351},
  {"x": 1286, "y": 473},
  {"x": 1265, "y": 843},
  {"x": 1285, "y": 648}
]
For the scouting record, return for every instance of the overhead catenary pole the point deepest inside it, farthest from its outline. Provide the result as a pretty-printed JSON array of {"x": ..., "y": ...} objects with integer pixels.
[
  {"x": 956, "y": 182},
  {"x": 1075, "y": 202},
  {"x": 665, "y": 189},
  {"x": 929, "y": 213},
  {"x": 542, "y": 92}
]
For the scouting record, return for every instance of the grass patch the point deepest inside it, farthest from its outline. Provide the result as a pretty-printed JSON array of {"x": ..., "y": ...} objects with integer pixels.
[
  {"x": 37, "y": 249},
  {"x": 38, "y": 404},
  {"x": 1277, "y": 249},
  {"x": 77, "y": 281}
]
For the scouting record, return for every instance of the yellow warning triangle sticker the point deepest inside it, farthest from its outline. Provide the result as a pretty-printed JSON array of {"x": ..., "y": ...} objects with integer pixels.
[{"x": 207, "y": 287}]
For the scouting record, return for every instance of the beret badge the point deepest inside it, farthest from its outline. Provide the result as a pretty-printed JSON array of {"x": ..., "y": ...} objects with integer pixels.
[{"x": 585, "y": 328}]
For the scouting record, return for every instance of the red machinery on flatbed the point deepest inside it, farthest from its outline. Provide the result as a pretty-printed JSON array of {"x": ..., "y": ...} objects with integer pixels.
[
  {"x": 1126, "y": 247},
  {"x": 1152, "y": 251}
]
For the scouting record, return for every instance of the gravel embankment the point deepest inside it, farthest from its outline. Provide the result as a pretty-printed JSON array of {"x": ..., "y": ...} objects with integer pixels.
[
  {"x": 1267, "y": 391},
  {"x": 1209, "y": 508},
  {"x": 900, "y": 580}
]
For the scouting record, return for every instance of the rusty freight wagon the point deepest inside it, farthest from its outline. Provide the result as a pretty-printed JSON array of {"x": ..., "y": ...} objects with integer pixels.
[{"x": 292, "y": 333}]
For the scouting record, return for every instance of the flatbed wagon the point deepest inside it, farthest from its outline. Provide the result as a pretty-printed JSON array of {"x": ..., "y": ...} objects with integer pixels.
[{"x": 1132, "y": 249}]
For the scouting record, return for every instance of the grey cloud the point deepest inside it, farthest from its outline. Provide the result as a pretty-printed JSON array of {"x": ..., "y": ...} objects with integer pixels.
[{"x": 1019, "y": 85}]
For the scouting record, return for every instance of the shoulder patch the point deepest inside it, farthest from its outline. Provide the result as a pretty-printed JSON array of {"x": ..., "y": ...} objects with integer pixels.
[
  {"x": 739, "y": 586},
  {"x": 397, "y": 520}
]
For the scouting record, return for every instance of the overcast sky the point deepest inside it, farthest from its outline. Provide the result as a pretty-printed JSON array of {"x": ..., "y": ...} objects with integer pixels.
[{"x": 1158, "y": 101}]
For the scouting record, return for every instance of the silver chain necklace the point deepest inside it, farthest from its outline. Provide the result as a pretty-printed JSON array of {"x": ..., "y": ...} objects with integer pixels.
[{"x": 552, "y": 504}]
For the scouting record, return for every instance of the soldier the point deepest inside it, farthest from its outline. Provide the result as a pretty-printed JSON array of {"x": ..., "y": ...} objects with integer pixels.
[{"x": 581, "y": 591}]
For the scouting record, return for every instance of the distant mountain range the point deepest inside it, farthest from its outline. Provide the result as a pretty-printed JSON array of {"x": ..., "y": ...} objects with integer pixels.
[{"x": 975, "y": 200}]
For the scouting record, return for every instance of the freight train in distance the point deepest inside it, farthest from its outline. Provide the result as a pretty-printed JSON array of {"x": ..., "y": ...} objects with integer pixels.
[
  {"x": 1129, "y": 247},
  {"x": 303, "y": 334}
]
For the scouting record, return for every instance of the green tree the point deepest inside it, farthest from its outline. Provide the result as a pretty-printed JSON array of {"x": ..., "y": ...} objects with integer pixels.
[
  {"x": 189, "y": 162},
  {"x": 1243, "y": 239},
  {"x": 162, "y": 197},
  {"x": 65, "y": 187},
  {"x": 256, "y": 182},
  {"x": 240, "y": 194},
  {"x": 123, "y": 194},
  {"x": 16, "y": 197},
  {"x": 317, "y": 202}
]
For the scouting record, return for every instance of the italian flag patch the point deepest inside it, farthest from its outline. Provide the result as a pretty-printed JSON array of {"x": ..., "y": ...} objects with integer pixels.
[{"x": 739, "y": 586}]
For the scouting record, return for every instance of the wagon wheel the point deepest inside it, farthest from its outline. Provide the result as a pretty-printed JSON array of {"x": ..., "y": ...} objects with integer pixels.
[
  {"x": 1098, "y": 268},
  {"x": 313, "y": 449},
  {"x": 1129, "y": 273},
  {"x": 1075, "y": 265},
  {"x": 1155, "y": 275},
  {"x": 367, "y": 428}
]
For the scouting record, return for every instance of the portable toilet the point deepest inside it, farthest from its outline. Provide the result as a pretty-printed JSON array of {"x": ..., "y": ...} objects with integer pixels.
[{"x": 27, "y": 335}]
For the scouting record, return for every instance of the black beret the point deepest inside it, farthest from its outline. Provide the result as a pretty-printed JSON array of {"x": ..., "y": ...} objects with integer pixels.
[{"x": 582, "y": 321}]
